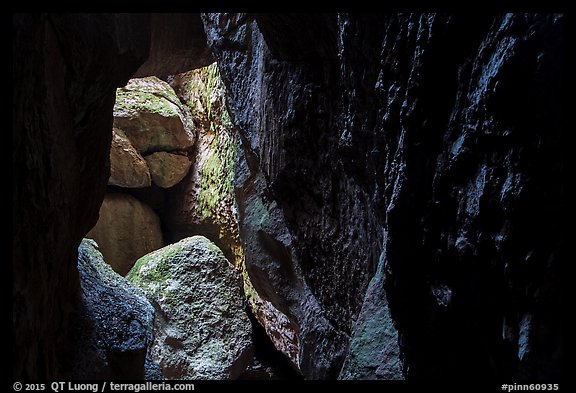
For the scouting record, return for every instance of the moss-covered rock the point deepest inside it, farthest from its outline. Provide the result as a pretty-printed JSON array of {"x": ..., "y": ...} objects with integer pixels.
[
  {"x": 204, "y": 201},
  {"x": 202, "y": 329},
  {"x": 115, "y": 326},
  {"x": 152, "y": 116}
]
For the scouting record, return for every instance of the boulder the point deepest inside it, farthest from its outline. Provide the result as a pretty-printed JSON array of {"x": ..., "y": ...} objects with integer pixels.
[
  {"x": 201, "y": 327},
  {"x": 126, "y": 230},
  {"x": 152, "y": 116},
  {"x": 114, "y": 329},
  {"x": 167, "y": 169},
  {"x": 127, "y": 167}
]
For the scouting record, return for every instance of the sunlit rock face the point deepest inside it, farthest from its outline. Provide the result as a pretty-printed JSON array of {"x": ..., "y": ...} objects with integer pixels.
[
  {"x": 151, "y": 115},
  {"x": 201, "y": 327}
]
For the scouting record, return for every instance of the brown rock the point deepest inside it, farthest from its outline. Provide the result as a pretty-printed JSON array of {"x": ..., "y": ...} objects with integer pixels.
[
  {"x": 180, "y": 48},
  {"x": 152, "y": 116},
  {"x": 127, "y": 229},
  {"x": 167, "y": 169},
  {"x": 127, "y": 167}
]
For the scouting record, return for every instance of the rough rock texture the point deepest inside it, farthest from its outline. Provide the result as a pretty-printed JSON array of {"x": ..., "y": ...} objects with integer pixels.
[
  {"x": 374, "y": 351},
  {"x": 268, "y": 363},
  {"x": 126, "y": 230},
  {"x": 66, "y": 68},
  {"x": 151, "y": 115},
  {"x": 281, "y": 332},
  {"x": 114, "y": 327},
  {"x": 127, "y": 167},
  {"x": 203, "y": 203},
  {"x": 167, "y": 169},
  {"x": 202, "y": 330},
  {"x": 298, "y": 327},
  {"x": 442, "y": 131},
  {"x": 178, "y": 45}
]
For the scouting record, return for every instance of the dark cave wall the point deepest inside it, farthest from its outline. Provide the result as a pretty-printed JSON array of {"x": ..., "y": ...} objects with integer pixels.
[
  {"x": 66, "y": 70},
  {"x": 441, "y": 131}
]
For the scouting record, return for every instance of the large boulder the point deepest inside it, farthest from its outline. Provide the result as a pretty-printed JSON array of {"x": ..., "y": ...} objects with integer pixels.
[
  {"x": 127, "y": 167},
  {"x": 202, "y": 329},
  {"x": 114, "y": 329},
  {"x": 167, "y": 169},
  {"x": 126, "y": 230},
  {"x": 152, "y": 116}
]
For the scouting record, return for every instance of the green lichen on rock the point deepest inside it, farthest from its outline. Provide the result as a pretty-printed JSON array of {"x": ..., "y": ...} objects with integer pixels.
[
  {"x": 204, "y": 92},
  {"x": 153, "y": 117},
  {"x": 202, "y": 330},
  {"x": 137, "y": 101},
  {"x": 217, "y": 174}
]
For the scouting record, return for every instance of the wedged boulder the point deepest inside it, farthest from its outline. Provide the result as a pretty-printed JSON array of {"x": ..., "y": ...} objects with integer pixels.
[
  {"x": 114, "y": 329},
  {"x": 126, "y": 230},
  {"x": 152, "y": 116},
  {"x": 127, "y": 167},
  {"x": 167, "y": 169},
  {"x": 201, "y": 326}
]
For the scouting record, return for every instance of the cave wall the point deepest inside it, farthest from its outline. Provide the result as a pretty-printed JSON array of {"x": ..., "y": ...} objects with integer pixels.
[{"x": 430, "y": 139}]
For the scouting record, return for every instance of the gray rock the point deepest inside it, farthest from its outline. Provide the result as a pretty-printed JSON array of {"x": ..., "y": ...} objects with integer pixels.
[
  {"x": 202, "y": 329},
  {"x": 374, "y": 352},
  {"x": 115, "y": 325}
]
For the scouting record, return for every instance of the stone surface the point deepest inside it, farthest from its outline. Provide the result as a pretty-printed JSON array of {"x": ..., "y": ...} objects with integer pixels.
[
  {"x": 127, "y": 167},
  {"x": 202, "y": 330},
  {"x": 203, "y": 203},
  {"x": 179, "y": 48},
  {"x": 114, "y": 328},
  {"x": 126, "y": 230},
  {"x": 167, "y": 169},
  {"x": 152, "y": 116},
  {"x": 281, "y": 332},
  {"x": 374, "y": 351},
  {"x": 450, "y": 146},
  {"x": 302, "y": 220}
]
